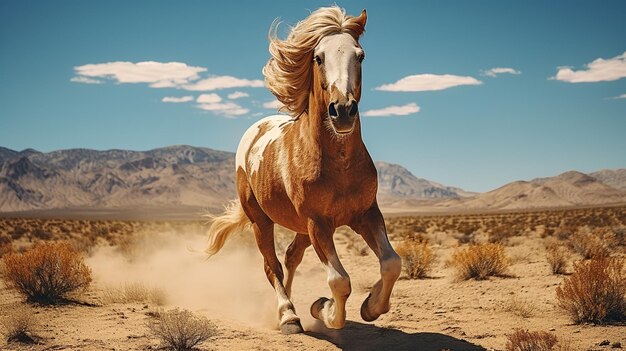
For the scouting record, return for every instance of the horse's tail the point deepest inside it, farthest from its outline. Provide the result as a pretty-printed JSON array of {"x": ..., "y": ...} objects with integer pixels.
[{"x": 234, "y": 219}]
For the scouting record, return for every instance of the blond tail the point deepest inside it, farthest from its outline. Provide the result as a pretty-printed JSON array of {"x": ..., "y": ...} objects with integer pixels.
[{"x": 233, "y": 219}]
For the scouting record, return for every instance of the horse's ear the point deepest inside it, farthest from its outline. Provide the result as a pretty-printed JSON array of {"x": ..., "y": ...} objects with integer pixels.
[{"x": 362, "y": 19}]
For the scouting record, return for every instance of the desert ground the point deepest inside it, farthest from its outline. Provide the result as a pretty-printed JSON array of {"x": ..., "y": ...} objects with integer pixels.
[{"x": 141, "y": 268}]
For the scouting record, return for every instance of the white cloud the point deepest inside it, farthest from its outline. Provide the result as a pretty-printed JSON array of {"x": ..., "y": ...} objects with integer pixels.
[
  {"x": 599, "y": 70},
  {"x": 393, "y": 111},
  {"x": 623, "y": 96},
  {"x": 222, "y": 82},
  {"x": 176, "y": 99},
  {"x": 228, "y": 108},
  {"x": 157, "y": 74},
  {"x": 237, "y": 95},
  {"x": 85, "y": 80},
  {"x": 273, "y": 105},
  {"x": 493, "y": 72},
  {"x": 429, "y": 82},
  {"x": 209, "y": 98}
]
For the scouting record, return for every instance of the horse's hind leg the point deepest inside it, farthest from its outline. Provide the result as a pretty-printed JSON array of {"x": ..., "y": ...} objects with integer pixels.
[
  {"x": 330, "y": 311},
  {"x": 372, "y": 227},
  {"x": 263, "y": 228},
  {"x": 293, "y": 257}
]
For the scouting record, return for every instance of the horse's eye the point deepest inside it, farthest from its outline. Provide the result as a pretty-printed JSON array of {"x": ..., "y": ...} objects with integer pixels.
[
  {"x": 361, "y": 57},
  {"x": 318, "y": 60}
]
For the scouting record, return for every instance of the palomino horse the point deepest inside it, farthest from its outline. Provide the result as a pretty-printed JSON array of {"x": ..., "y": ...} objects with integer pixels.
[{"x": 310, "y": 172}]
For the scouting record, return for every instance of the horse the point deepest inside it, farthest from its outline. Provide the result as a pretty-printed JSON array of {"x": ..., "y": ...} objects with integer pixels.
[{"x": 309, "y": 170}]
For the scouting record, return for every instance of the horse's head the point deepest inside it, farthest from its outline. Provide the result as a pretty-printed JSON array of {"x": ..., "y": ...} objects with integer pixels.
[{"x": 337, "y": 76}]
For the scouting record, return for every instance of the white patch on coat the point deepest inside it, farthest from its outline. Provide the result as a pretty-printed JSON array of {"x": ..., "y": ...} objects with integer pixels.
[
  {"x": 274, "y": 129},
  {"x": 340, "y": 53}
]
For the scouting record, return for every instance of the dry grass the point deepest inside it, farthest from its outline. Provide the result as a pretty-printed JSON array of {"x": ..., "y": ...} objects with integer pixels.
[
  {"x": 557, "y": 257},
  {"x": 47, "y": 272},
  {"x": 520, "y": 307},
  {"x": 480, "y": 261},
  {"x": 134, "y": 293},
  {"x": 180, "y": 329},
  {"x": 20, "y": 324},
  {"x": 417, "y": 257},
  {"x": 596, "y": 291}
]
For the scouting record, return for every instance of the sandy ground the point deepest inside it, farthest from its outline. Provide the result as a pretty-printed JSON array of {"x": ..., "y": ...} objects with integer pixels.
[{"x": 436, "y": 313}]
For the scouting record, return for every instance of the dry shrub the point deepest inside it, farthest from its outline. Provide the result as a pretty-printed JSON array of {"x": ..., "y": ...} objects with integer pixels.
[
  {"x": 417, "y": 257},
  {"x": 588, "y": 245},
  {"x": 134, "y": 293},
  {"x": 47, "y": 272},
  {"x": 480, "y": 261},
  {"x": 596, "y": 291},
  {"x": 557, "y": 257},
  {"x": 6, "y": 245},
  {"x": 20, "y": 324},
  {"x": 180, "y": 329},
  {"x": 524, "y": 340}
]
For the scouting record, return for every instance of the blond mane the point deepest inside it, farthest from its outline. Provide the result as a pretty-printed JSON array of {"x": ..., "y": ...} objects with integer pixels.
[{"x": 288, "y": 72}]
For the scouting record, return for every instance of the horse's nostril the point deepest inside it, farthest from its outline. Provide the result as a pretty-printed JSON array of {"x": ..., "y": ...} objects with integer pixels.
[
  {"x": 353, "y": 109},
  {"x": 331, "y": 110}
]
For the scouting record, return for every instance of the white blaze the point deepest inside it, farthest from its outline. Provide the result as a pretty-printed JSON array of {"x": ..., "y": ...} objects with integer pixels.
[{"x": 339, "y": 53}]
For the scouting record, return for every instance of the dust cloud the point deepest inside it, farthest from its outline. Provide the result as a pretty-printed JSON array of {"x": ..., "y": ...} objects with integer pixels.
[{"x": 230, "y": 285}]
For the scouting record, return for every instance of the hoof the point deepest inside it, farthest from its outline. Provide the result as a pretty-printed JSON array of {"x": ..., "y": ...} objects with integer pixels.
[
  {"x": 365, "y": 314},
  {"x": 317, "y": 306},
  {"x": 291, "y": 327}
]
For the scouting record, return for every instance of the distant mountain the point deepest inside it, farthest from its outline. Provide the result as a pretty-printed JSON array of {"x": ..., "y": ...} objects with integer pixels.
[
  {"x": 568, "y": 189},
  {"x": 175, "y": 175},
  {"x": 395, "y": 181},
  {"x": 615, "y": 178},
  {"x": 200, "y": 177}
]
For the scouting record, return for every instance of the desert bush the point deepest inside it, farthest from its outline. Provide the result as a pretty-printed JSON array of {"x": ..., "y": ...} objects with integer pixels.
[
  {"x": 180, "y": 329},
  {"x": 557, "y": 257},
  {"x": 595, "y": 292},
  {"x": 134, "y": 292},
  {"x": 18, "y": 232},
  {"x": 19, "y": 325},
  {"x": 480, "y": 261},
  {"x": 417, "y": 257},
  {"x": 524, "y": 340},
  {"x": 41, "y": 234},
  {"x": 47, "y": 272},
  {"x": 588, "y": 245}
]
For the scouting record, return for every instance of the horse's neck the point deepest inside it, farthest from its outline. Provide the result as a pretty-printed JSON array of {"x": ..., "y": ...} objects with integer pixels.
[{"x": 332, "y": 147}]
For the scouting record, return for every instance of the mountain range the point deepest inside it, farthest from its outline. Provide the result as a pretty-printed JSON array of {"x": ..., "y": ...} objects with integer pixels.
[{"x": 200, "y": 177}]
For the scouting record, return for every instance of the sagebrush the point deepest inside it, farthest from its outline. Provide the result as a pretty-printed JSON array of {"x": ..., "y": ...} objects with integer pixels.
[
  {"x": 595, "y": 292},
  {"x": 417, "y": 257},
  {"x": 557, "y": 258},
  {"x": 524, "y": 340},
  {"x": 180, "y": 329},
  {"x": 47, "y": 272},
  {"x": 480, "y": 261}
]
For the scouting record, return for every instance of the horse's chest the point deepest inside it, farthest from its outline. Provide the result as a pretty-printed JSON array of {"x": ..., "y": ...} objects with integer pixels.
[{"x": 339, "y": 195}]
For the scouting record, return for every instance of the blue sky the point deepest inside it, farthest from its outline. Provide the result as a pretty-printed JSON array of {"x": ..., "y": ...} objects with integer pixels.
[{"x": 475, "y": 128}]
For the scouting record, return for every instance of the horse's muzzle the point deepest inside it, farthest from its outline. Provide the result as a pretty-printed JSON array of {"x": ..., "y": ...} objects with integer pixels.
[{"x": 343, "y": 114}]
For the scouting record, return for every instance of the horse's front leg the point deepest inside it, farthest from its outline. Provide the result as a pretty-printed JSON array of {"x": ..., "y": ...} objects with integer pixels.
[
  {"x": 372, "y": 227},
  {"x": 330, "y": 311}
]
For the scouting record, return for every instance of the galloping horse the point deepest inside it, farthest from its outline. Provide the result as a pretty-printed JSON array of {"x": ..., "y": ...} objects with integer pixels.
[{"x": 310, "y": 171}]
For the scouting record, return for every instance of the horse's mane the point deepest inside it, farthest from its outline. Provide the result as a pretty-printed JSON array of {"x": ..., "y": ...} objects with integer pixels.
[{"x": 288, "y": 72}]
